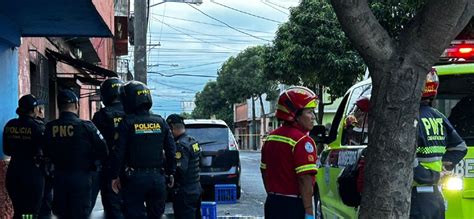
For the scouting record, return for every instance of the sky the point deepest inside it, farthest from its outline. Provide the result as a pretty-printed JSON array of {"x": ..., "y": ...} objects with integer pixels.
[{"x": 195, "y": 40}]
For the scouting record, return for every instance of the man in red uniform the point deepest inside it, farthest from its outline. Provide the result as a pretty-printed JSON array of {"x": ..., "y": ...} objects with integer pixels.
[{"x": 288, "y": 162}]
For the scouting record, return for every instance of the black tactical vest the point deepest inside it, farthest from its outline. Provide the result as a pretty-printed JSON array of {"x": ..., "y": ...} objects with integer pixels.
[
  {"x": 113, "y": 118},
  {"x": 189, "y": 147},
  {"x": 145, "y": 145}
]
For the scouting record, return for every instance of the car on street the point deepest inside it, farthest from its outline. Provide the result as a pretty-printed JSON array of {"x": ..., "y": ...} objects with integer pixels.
[{"x": 220, "y": 162}]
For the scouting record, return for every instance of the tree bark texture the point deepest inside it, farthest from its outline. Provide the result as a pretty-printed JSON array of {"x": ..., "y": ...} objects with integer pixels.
[{"x": 398, "y": 71}]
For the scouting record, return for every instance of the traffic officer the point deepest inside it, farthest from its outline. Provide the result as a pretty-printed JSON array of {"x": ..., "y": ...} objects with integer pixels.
[
  {"x": 138, "y": 156},
  {"x": 107, "y": 120},
  {"x": 288, "y": 162},
  {"x": 187, "y": 197},
  {"x": 73, "y": 145},
  {"x": 439, "y": 149},
  {"x": 23, "y": 141}
]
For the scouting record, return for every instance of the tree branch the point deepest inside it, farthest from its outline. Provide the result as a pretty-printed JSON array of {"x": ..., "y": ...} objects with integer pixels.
[
  {"x": 365, "y": 32},
  {"x": 426, "y": 36}
]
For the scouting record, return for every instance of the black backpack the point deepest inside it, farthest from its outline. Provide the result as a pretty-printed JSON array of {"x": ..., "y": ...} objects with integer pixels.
[{"x": 347, "y": 185}]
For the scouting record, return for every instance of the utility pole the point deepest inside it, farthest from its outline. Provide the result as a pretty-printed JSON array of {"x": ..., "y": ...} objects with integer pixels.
[{"x": 139, "y": 49}]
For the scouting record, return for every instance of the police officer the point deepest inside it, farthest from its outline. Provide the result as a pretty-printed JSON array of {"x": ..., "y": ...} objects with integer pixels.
[
  {"x": 107, "y": 120},
  {"x": 288, "y": 162},
  {"x": 439, "y": 149},
  {"x": 138, "y": 159},
  {"x": 187, "y": 197},
  {"x": 23, "y": 141},
  {"x": 73, "y": 145},
  {"x": 47, "y": 167}
]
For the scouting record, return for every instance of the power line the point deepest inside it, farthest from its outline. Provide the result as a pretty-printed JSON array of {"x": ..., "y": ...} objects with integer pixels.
[
  {"x": 247, "y": 13},
  {"x": 197, "y": 32},
  {"x": 172, "y": 86},
  {"x": 211, "y": 24},
  {"x": 180, "y": 74},
  {"x": 212, "y": 34},
  {"x": 231, "y": 27},
  {"x": 273, "y": 3},
  {"x": 176, "y": 29},
  {"x": 271, "y": 6},
  {"x": 195, "y": 66}
]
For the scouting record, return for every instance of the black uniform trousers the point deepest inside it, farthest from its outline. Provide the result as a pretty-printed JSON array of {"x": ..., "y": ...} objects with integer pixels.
[
  {"x": 24, "y": 183},
  {"x": 427, "y": 205},
  {"x": 186, "y": 202},
  {"x": 283, "y": 207},
  {"x": 72, "y": 194},
  {"x": 142, "y": 186},
  {"x": 111, "y": 201},
  {"x": 47, "y": 202}
]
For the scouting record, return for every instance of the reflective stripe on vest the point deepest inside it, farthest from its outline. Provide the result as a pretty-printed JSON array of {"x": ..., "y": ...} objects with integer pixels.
[
  {"x": 431, "y": 150},
  {"x": 306, "y": 168},
  {"x": 282, "y": 139},
  {"x": 436, "y": 165}
]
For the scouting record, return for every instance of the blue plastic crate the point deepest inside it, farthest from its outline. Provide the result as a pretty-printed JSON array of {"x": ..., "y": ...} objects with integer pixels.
[
  {"x": 209, "y": 210},
  {"x": 225, "y": 193}
]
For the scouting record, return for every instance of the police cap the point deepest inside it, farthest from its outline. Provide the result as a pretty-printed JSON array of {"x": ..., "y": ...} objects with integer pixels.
[
  {"x": 67, "y": 96},
  {"x": 175, "y": 119},
  {"x": 28, "y": 102}
]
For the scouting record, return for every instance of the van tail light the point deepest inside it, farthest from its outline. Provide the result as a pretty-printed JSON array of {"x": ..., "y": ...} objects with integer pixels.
[
  {"x": 233, "y": 146},
  {"x": 232, "y": 176},
  {"x": 232, "y": 143}
]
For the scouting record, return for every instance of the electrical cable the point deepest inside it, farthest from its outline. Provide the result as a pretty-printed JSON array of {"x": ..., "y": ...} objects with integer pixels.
[
  {"x": 211, "y": 24},
  {"x": 231, "y": 27},
  {"x": 183, "y": 75},
  {"x": 271, "y": 6},
  {"x": 247, "y": 13},
  {"x": 176, "y": 29}
]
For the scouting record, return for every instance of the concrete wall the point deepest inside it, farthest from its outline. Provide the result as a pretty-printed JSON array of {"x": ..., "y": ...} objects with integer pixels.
[{"x": 8, "y": 86}]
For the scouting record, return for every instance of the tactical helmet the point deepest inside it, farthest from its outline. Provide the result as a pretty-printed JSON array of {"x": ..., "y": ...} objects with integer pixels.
[
  {"x": 110, "y": 90},
  {"x": 431, "y": 84},
  {"x": 135, "y": 95},
  {"x": 293, "y": 100}
]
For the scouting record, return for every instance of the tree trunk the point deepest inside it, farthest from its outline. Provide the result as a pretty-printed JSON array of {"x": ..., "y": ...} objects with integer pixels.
[
  {"x": 398, "y": 70},
  {"x": 254, "y": 124},
  {"x": 262, "y": 114}
]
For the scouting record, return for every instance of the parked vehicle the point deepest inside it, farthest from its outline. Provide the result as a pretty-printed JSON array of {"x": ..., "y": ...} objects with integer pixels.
[
  {"x": 220, "y": 162},
  {"x": 455, "y": 100}
]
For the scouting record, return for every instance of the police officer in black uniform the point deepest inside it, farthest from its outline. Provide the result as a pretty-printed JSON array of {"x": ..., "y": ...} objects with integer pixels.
[
  {"x": 73, "y": 145},
  {"x": 139, "y": 157},
  {"x": 47, "y": 168},
  {"x": 107, "y": 120},
  {"x": 187, "y": 197},
  {"x": 23, "y": 141}
]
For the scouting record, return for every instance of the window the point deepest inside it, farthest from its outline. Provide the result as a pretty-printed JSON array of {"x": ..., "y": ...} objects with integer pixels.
[
  {"x": 210, "y": 137},
  {"x": 355, "y": 123}
]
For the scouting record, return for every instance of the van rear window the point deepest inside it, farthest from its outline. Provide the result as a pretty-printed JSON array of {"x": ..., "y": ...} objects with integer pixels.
[{"x": 211, "y": 138}]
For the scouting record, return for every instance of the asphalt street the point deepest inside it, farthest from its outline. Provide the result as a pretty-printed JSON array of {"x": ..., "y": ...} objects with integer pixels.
[{"x": 251, "y": 202}]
